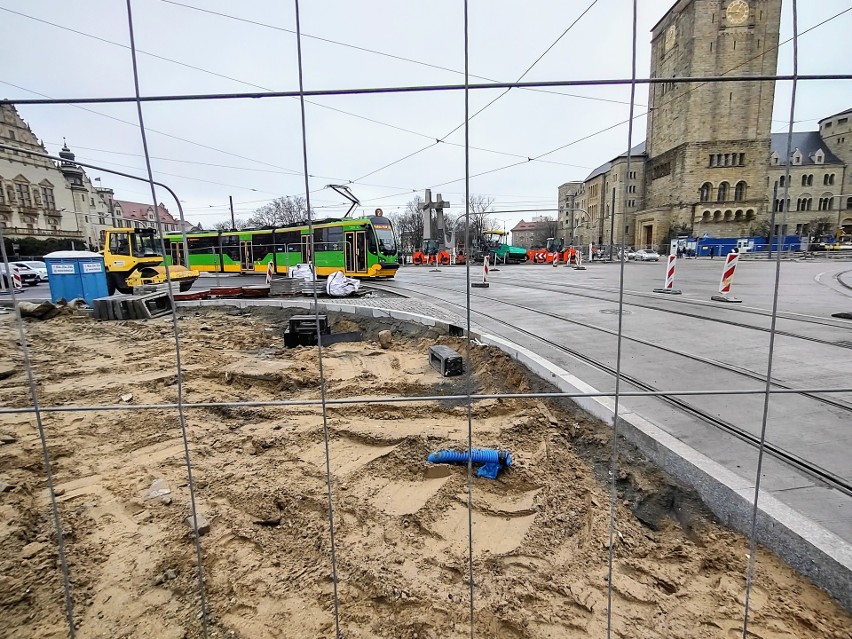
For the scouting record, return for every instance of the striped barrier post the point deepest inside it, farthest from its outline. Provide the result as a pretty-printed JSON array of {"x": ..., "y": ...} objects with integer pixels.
[
  {"x": 270, "y": 271},
  {"x": 668, "y": 283},
  {"x": 16, "y": 278},
  {"x": 484, "y": 282},
  {"x": 727, "y": 280}
]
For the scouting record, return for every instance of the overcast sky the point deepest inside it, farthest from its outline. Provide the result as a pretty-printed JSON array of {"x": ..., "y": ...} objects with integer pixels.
[{"x": 251, "y": 149}]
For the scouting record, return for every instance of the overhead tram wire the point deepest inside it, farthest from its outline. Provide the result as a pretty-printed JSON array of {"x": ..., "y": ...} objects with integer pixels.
[
  {"x": 239, "y": 81},
  {"x": 678, "y": 81},
  {"x": 529, "y": 68},
  {"x": 176, "y": 332},
  {"x": 379, "y": 53},
  {"x": 133, "y": 124},
  {"x": 466, "y": 93}
]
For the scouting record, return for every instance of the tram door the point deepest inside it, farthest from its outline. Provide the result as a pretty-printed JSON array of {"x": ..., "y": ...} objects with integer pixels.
[
  {"x": 355, "y": 252},
  {"x": 246, "y": 256},
  {"x": 177, "y": 254},
  {"x": 307, "y": 250}
]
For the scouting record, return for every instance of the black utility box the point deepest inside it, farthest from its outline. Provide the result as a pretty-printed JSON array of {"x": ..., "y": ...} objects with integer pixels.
[
  {"x": 302, "y": 330},
  {"x": 445, "y": 360}
]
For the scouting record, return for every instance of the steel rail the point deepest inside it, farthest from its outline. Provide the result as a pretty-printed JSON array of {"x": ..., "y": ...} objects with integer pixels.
[
  {"x": 690, "y": 356},
  {"x": 801, "y": 464},
  {"x": 557, "y": 287}
]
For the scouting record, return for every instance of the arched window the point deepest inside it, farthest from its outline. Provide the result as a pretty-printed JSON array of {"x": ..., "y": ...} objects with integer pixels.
[
  {"x": 706, "y": 216},
  {"x": 750, "y": 215},
  {"x": 723, "y": 192},
  {"x": 704, "y": 194},
  {"x": 740, "y": 192},
  {"x": 717, "y": 216},
  {"x": 804, "y": 180},
  {"x": 729, "y": 215},
  {"x": 738, "y": 216},
  {"x": 849, "y": 203},
  {"x": 781, "y": 181}
]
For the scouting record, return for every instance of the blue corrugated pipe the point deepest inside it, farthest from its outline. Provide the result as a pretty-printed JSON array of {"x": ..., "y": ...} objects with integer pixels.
[{"x": 479, "y": 456}]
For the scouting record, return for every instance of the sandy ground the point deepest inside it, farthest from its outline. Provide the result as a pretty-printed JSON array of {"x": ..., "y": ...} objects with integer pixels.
[{"x": 540, "y": 530}]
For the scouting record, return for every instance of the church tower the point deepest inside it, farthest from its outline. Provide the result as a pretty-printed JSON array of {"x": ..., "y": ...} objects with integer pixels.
[{"x": 708, "y": 144}]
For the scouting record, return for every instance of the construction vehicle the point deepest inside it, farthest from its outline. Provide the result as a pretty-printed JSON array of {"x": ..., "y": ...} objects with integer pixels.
[
  {"x": 555, "y": 251},
  {"x": 132, "y": 258},
  {"x": 493, "y": 243}
]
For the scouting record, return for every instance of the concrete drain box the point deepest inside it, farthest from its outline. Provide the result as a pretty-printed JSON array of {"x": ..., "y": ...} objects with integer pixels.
[
  {"x": 445, "y": 360},
  {"x": 302, "y": 330}
]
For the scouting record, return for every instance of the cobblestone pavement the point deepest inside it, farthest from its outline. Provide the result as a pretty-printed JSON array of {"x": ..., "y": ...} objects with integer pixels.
[{"x": 400, "y": 304}]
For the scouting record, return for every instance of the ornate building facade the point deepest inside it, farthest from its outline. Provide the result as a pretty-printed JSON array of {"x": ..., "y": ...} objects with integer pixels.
[{"x": 40, "y": 198}]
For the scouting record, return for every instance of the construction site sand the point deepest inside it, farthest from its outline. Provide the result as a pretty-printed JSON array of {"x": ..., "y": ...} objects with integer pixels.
[{"x": 540, "y": 530}]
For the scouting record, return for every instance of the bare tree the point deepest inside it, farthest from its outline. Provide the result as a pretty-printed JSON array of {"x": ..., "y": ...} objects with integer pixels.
[
  {"x": 544, "y": 230},
  {"x": 279, "y": 212},
  {"x": 225, "y": 225},
  {"x": 408, "y": 226}
]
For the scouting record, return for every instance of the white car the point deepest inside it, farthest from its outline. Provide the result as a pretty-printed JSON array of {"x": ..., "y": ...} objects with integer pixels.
[
  {"x": 38, "y": 267},
  {"x": 647, "y": 255}
]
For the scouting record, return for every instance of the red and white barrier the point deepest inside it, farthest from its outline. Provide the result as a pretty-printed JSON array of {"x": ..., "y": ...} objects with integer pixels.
[
  {"x": 16, "y": 278},
  {"x": 728, "y": 273},
  {"x": 270, "y": 271},
  {"x": 670, "y": 271},
  {"x": 484, "y": 282},
  {"x": 668, "y": 282},
  {"x": 727, "y": 279}
]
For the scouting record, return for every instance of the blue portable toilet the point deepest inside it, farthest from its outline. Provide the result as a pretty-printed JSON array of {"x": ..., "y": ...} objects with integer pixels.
[{"x": 76, "y": 274}]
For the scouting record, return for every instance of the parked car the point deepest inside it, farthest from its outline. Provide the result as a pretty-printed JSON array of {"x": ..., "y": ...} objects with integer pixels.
[
  {"x": 38, "y": 267},
  {"x": 647, "y": 255},
  {"x": 28, "y": 276},
  {"x": 629, "y": 253}
]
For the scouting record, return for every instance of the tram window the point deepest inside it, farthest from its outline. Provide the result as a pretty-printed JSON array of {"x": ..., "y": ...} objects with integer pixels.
[
  {"x": 289, "y": 241},
  {"x": 371, "y": 240},
  {"x": 231, "y": 247},
  {"x": 207, "y": 244},
  {"x": 328, "y": 238},
  {"x": 261, "y": 239}
]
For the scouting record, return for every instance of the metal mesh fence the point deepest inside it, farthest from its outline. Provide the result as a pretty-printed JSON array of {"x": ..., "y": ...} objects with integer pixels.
[{"x": 181, "y": 407}]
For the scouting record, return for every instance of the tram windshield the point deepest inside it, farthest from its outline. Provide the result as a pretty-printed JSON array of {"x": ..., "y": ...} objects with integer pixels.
[{"x": 385, "y": 238}]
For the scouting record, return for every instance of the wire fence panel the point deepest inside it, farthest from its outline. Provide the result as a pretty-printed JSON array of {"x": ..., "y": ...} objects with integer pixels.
[{"x": 307, "y": 475}]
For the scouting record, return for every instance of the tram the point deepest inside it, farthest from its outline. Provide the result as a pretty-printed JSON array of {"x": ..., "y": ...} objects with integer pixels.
[{"x": 360, "y": 247}]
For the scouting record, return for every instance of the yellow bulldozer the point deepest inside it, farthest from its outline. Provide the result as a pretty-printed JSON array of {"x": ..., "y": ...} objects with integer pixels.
[{"x": 132, "y": 258}]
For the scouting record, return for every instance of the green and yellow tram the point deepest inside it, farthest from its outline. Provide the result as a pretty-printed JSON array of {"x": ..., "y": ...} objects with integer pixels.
[{"x": 360, "y": 247}]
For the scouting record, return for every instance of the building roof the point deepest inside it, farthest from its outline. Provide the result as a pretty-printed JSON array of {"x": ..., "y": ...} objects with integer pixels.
[
  {"x": 139, "y": 211},
  {"x": 639, "y": 149},
  {"x": 846, "y": 112},
  {"x": 808, "y": 142},
  {"x": 529, "y": 226}
]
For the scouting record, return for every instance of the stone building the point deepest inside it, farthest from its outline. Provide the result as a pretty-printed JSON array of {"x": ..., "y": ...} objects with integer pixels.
[
  {"x": 92, "y": 205},
  {"x": 40, "y": 198},
  {"x": 710, "y": 164},
  {"x": 533, "y": 234},
  {"x": 819, "y": 193},
  {"x": 35, "y": 199},
  {"x": 140, "y": 215}
]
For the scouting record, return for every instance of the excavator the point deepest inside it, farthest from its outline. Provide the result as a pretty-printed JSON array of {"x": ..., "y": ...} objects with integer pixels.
[{"x": 132, "y": 258}]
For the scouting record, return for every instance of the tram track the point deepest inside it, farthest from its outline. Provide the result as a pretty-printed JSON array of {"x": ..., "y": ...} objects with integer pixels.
[
  {"x": 814, "y": 471},
  {"x": 570, "y": 289},
  {"x": 689, "y": 356}
]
